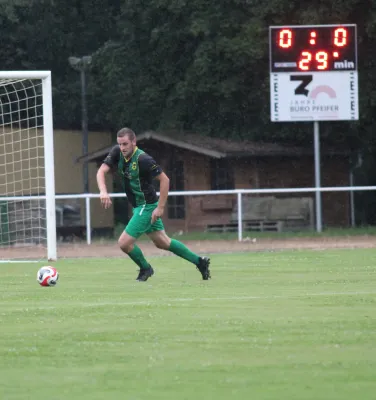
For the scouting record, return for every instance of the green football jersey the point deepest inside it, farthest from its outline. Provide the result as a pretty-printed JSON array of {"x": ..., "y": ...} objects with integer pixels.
[{"x": 137, "y": 174}]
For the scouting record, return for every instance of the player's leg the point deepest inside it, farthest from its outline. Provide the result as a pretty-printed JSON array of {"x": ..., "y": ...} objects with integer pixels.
[
  {"x": 127, "y": 242},
  {"x": 161, "y": 240}
]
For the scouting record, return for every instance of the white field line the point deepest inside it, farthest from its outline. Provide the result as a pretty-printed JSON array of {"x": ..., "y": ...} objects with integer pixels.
[
  {"x": 189, "y": 299},
  {"x": 167, "y": 301}
]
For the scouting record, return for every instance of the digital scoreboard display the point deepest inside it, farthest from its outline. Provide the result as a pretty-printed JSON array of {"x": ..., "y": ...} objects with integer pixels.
[{"x": 316, "y": 48}]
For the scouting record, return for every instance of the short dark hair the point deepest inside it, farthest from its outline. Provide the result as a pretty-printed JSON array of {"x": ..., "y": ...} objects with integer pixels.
[{"x": 127, "y": 132}]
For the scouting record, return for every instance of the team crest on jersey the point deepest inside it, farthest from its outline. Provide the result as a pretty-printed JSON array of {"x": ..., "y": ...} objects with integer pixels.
[{"x": 134, "y": 166}]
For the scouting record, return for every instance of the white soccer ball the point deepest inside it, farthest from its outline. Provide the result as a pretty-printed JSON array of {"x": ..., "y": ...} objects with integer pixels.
[{"x": 47, "y": 276}]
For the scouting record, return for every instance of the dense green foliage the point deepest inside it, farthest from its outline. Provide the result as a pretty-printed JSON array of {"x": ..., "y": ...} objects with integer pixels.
[
  {"x": 186, "y": 65},
  {"x": 193, "y": 65}
]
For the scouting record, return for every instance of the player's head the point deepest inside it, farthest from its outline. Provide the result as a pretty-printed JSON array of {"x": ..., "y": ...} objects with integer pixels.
[{"x": 126, "y": 139}]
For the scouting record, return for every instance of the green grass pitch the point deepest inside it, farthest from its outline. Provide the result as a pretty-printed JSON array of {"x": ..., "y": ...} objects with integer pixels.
[{"x": 291, "y": 325}]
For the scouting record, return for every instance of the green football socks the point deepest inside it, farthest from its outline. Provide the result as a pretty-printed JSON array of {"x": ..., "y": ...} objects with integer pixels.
[
  {"x": 182, "y": 251},
  {"x": 137, "y": 256}
]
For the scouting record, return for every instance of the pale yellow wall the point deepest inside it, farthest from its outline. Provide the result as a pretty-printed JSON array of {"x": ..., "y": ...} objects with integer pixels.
[
  {"x": 21, "y": 162},
  {"x": 68, "y": 147},
  {"x": 22, "y": 166},
  {"x": 69, "y": 173}
]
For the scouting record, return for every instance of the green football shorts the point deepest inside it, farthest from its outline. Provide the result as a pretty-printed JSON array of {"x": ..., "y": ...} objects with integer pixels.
[{"x": 140, "y": 222}]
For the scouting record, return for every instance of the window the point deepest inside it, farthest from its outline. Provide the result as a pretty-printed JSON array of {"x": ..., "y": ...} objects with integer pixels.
[
  {"x": 176, "y": 204},
  {"x": 222, "y": 174}
]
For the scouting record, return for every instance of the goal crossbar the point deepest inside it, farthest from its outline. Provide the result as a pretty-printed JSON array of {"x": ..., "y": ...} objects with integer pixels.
[{"x": 25, "y": 74}]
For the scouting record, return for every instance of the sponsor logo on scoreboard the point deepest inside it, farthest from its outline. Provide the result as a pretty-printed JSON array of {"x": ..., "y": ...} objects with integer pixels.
[
  {"x": 315, "y": 97},
  {"x": 320, "y": 100}
]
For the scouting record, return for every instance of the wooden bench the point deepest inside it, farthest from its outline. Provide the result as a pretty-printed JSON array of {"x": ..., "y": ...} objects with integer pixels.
[
  {"x": 221, "y": 228},
  {"x": 271, "y": 213},
  {"x": 254, "y": 226},
  {"x": 263, "y": 226}
]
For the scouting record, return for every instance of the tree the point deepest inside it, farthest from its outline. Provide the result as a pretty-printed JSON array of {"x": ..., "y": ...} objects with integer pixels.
[
  {"x": 192, "y": 65},
  {"x": 203, "y": 66},
  {"x": 42, "y": 34}
]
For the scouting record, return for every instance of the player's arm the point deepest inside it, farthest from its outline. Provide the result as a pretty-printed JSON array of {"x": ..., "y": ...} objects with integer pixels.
[
  {"x": 150, "y": 168},
  {"x": 101, "y": 181},
  {"x": 109, "y": 162},
  {"x": 164, "y": 186}
]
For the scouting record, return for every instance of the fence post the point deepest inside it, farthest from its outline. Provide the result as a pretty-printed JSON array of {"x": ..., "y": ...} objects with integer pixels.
[
  {"x": 88, "y": 222},
  {"x": 240, "y": 217}
]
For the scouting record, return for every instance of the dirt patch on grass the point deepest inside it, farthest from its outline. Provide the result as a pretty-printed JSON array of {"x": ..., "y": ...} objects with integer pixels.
[{"x": 200, "y": 247}]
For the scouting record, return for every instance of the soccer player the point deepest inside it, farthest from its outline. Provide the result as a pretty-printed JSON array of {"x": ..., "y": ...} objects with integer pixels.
[{"x": 137, "y": 171}]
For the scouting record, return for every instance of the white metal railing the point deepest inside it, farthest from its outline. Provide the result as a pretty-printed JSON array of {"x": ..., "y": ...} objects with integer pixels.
[{"x": 237, "y": 192}]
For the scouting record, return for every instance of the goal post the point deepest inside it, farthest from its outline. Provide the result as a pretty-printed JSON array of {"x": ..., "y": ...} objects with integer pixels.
[{"x": 27, "y": 179}]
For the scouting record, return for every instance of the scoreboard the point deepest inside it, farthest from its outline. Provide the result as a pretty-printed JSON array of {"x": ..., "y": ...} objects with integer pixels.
[{"x": 313, "y": 72}]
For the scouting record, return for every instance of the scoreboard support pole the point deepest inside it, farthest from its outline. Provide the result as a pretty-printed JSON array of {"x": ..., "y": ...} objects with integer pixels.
[{"x": 316, "y": 135}]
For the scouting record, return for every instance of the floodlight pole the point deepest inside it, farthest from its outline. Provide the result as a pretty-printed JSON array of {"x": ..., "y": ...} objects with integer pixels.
[{"x": 81, "y": 64}]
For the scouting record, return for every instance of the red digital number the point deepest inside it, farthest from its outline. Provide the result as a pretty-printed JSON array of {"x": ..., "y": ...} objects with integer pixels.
[
  {"x": 305, "y": 60},
  {"x": 340, "y": 37},
  {"x": 285, "y": 38},
  {"x": 322, "y": 60}
]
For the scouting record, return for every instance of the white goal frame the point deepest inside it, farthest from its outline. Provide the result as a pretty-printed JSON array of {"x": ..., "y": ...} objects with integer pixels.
[{"x": 49, "y": 197}]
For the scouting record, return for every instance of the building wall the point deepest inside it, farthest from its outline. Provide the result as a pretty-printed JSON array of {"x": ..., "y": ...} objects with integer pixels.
[
  {"x": 21, "y": 162},
  {"x": 22, "y": 167},
  {"x": 271, "y": 172},
  {"x": 300, "y": 173},
  {"x": 246, "y": 174},
  {"x": 197, "y": 177},
  {"x": 336, "y": 205},
  {"x": 260, "y": 173},
  {"x": 69, "y": 173}
]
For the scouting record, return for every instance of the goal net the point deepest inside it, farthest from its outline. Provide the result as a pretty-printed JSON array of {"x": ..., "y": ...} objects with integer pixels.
[{"x": 27, "y": 187}]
